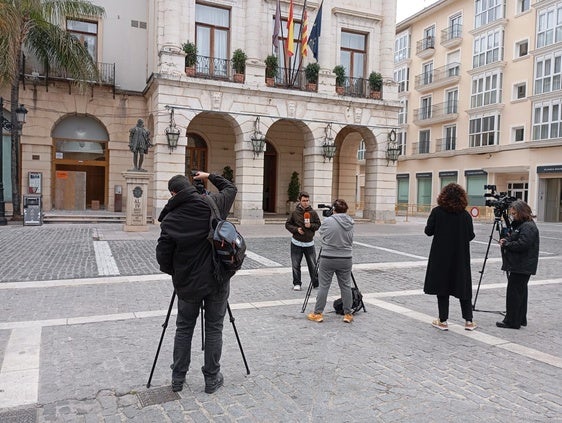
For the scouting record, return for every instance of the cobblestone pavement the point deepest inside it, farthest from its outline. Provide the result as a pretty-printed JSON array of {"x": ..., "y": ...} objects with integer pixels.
[{"x": 79, "y": 329}]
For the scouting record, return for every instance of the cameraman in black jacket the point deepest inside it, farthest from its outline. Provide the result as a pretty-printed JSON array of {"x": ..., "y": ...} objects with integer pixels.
[
  {"x": 520, "y": 254},
  {"x": 184, "y": 252}
]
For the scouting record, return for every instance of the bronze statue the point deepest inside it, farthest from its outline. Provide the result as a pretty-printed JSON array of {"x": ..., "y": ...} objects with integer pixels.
[{"x": 139, "y": 142}]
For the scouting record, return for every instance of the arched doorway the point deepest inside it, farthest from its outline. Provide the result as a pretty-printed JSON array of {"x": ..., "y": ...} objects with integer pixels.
[
  {"x": 269, "y": 178},
  {"x": 80, "y": 162}
]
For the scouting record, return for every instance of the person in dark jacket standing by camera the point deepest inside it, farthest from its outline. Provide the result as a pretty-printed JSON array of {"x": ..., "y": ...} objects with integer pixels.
[
  {"x": 303, "y": 223},
  {"x": 336, "y": 257},
  {"x": 184, "y": 252},
  {"x": 448, "y": 268},
  {"x": 520, "y": 254}
]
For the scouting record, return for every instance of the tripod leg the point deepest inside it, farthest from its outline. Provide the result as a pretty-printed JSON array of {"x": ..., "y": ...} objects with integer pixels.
[
  {"x": 237, "y": 337},
  {"x": 484, "y": 265},
  {"x": 164, "y": 326},
  {"x": 309, "y": 290},
  {"x": 362, "y": 306},
  {"x": 202, "y": 328}
]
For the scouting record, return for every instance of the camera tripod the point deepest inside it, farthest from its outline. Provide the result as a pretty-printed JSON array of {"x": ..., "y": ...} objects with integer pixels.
[
  {"x": 499, "y": 226},
  {"x": 165, "y": 325},
  {"x": 309, "y": 289}
]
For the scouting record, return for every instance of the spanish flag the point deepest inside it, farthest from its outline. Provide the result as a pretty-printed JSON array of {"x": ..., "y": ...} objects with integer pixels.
[{"x": 290, "y": 32}]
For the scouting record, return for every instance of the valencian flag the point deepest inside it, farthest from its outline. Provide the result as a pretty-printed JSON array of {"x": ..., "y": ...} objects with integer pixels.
[
  {"x": 290, "y": 32},
  {"x": 315, "y": 32},
  {"x": 277, "y": 27},
  {"x": 304, "y": 38}
]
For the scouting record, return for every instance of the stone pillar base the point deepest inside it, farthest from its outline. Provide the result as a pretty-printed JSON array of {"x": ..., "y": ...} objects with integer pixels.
[{"x": 137, "y": 200}]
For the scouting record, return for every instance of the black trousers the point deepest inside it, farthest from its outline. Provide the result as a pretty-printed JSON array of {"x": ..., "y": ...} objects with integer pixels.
[
  {"x": 443, "y": 305},
  {"x": 516, "y": 300}
]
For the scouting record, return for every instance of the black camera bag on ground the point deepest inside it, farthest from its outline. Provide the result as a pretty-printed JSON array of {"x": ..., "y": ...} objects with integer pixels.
[
  {"x": 229, "y": 246},
  {"x": 356, "y": 302}
]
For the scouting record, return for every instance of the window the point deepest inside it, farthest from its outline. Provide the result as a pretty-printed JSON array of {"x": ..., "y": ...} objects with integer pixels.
[
  {"x": 548, "y": 73},
  {"x": 424, "y": 193},
  {"x": 519, "y": 190},
  {"x": 520, "y": 91},
  {"x": 361, "y": 150},
  {"x": 549, "y": 26},
  {"x": 401, "y": 142},
  {"x": 488, "y": 48},
  {"x": 402, "y": 47},
  {"x": 486, "y": 89},
  {"x": 523, "y": 5},
  {"x": 455, "y": 26},
  {"x": 453, "y": 63},
  {"x": 522, "y": 48},
  {"x": 452, "y": 101},
  {"x": 427, "y": 72},
  {"x": 487, "y": 11},
  {"x": 87, "y": 34},
  {"x": 403, "y": 188},
  {"x": 428, "y": 38},
  {"x": 212, "y": 29},
  {"x": 450, "y": 141},
  {"x": 403, "y": 112},
  {"x": 425, "y": 108},
  {"x": 401, "y": 77},
  {"x": 475, "y": 189},
  {"x": 423, "y": 147},
  {"x": 518, "y": 134},
  {"x": 353, "y": 53},
  {"x": 484, "y": 131},
  {"x": 547, "y": 120}
]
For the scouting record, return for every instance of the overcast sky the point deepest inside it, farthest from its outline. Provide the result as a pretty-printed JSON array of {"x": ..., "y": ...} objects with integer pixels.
[{"x": 406, "y": 8}]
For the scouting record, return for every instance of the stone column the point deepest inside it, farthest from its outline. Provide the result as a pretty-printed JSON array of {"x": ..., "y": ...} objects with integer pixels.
[{"x": 137, "y": 200}]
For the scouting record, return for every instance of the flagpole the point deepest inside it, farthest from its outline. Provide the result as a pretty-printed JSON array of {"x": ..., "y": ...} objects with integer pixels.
[{"x": 295, "y": 74}]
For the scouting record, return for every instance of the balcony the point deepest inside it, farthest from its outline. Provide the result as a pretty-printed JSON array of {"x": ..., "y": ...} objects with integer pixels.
[
  {"x": 213, "y": 68},
  {"x": 436, "y": 113},
  {"x": 440, "y": 77},
  {"x": 452, "y": 36},
  {"x": 445, "y": 144},
  {"x": 421, "y": 147},
  {"x": 425, "y": 47}
]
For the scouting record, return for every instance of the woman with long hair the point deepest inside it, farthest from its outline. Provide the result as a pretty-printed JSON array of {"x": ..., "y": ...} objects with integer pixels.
[{"x": 448, "y": 268}]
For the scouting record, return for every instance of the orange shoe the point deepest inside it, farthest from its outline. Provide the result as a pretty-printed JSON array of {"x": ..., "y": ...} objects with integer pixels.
[
  {"x": 348, "y": 318},
  {"x": 315, "y": 317}
]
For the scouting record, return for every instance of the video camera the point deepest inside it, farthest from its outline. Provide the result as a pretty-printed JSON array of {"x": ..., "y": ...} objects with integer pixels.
[
  {"x": 198, "y": 183},
  {"x": 499, "y": 201},
  {"x": 329, "y": 209}
]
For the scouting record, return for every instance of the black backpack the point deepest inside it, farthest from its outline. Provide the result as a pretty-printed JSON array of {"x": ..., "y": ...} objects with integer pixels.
[
  {"x": 229, "y": 246},
  {"x": 356, "y": 304}
]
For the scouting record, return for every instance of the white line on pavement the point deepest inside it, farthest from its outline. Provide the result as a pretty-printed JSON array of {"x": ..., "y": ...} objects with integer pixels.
[
  {"x": 104, "y": 259},
  {"x": 19, "y": 376},
  {"x": 390, "y": 251},
  {"x": 262, "y": 260},
  {"x": 479, "y": 336}
]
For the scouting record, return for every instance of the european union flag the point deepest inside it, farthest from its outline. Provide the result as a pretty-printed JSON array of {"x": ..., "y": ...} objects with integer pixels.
[{"x": 315, "y": 33}]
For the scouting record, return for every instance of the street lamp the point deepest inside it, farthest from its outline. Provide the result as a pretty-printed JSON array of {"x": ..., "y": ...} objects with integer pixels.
[
  {"x": 329, "y": 147},
  {"x": 5, "y": 124},
  {"x": 392, "y": 149},
  {"x": 258, "y": 139},
  {"x": 172, "y": 133}
]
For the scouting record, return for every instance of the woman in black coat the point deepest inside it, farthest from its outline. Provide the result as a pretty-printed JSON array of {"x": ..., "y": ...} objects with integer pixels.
[
  {"x": 520, "y": 254},
  {"x": 448, "y": 268}
]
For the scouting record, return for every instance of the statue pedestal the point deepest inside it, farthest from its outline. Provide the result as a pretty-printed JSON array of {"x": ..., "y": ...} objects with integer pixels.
[{"x": 137, "y": 200}]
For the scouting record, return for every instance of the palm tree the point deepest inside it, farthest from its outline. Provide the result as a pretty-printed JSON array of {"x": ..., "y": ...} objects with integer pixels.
[{"x": 37, "y": 27}]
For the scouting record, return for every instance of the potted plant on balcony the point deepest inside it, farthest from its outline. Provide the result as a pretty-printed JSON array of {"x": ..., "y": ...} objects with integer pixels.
[
  {"x": 339, "y": 70},
  {"x": 190, "y": 50},
  {"x": 239, "y": 64},
  {"x": 271, "y": 69},
  {"x": 311, "y": 73},
  {"x": 375, "y": 84},
  {"x": 293, "y": 192}
]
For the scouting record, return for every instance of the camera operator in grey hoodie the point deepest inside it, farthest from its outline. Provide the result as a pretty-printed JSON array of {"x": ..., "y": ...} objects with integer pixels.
[{"x": 336, "y": 233}]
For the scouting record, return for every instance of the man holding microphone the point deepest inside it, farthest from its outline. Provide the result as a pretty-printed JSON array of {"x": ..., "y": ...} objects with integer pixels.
[{"x": 303, "y": 223}]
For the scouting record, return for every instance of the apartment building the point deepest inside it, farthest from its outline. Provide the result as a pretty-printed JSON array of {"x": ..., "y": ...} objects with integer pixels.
[
  {"x": 480, "y": 90},
  {"x": 74, "y": 146}
]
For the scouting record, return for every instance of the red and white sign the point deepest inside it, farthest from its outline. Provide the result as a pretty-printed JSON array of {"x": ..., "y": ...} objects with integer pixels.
[{"x": 474, "y": 212}]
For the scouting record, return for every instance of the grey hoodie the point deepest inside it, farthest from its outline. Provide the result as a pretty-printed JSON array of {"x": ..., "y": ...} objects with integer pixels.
[{"x": 336, "y": 233}]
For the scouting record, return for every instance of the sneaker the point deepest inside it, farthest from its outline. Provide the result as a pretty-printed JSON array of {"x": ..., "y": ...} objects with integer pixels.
[
  {"x": 212, "y": 387},
  {"x": 296, "y": 288},
  {"x": 315, "y": 317},
  {"x": 470, "y": 325},
  {"x": 440, "y": 325},
  {"x": 348, "y": 318}
]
